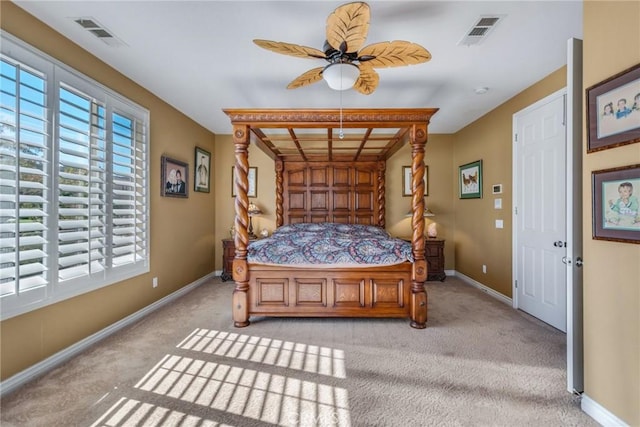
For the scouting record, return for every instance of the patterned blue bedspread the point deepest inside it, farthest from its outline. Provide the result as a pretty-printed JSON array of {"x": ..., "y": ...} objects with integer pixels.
[{"x": 329, "y": 244}]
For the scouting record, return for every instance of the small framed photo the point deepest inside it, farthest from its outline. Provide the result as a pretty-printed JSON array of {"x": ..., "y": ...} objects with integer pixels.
[
  {"x": 252, "y": 177},
  {"x": 613, "y": 111},
  {"x": 407, "y": 179},
  {"x": 616, "y": 214},
  {"x": 202, "y": 171},
  {"x": 175, "y": 177},
  {"x": 470, "y": 177}
]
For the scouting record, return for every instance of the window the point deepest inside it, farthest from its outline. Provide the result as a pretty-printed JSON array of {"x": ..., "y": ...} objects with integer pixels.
[{"x": 73, "y": 182}]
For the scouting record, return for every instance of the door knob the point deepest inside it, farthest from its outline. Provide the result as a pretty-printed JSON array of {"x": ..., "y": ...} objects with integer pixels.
[{"x": 579, "y": 262}]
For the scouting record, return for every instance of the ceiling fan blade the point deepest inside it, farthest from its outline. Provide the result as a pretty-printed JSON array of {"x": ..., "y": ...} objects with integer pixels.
[
  {"x": 348, "y": 24},
  {"x": 290, "y": 49},
  {"x": 306, "y": 78},
  {"x": 368, "y": 80},
  {"x": 394, "y": 54}
]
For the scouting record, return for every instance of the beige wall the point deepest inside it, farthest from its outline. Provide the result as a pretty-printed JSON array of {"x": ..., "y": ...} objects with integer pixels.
[
  {"x": 178, "y": 226},
  {"x": 611, "y": 269},
  {"x": 489, "y": 139}
]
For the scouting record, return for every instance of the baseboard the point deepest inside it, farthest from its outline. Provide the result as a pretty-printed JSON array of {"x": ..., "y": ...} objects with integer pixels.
[
  {"x": 599, "y": 413},
  {"x": 497, "y": 295},
  {"x": 450, "y": 272},
  {"x": 40, "y": 368}
]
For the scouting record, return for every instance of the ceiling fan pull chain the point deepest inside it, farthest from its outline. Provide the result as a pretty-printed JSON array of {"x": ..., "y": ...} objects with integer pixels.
[{"x": 341, "y": 134}]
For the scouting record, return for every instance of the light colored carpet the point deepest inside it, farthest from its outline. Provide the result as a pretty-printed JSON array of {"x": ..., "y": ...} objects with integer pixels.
[{"x": 478, "y": 363}]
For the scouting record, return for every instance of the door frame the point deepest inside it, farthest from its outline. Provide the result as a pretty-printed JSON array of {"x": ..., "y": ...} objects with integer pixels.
[{"x": 574, "y": 111}]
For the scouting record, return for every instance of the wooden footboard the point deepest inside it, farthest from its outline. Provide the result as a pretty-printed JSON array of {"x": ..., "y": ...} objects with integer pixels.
[{"x": 336, "y": 292}]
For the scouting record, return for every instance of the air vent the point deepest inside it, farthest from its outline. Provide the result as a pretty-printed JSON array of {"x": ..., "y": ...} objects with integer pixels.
[
  {"x": 94, "y": 27},
  {"x": 87, "y": 23},
  {"x": 480, "y": 30}
]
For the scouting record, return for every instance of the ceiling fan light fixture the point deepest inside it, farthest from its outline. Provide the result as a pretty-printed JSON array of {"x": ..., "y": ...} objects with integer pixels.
[{"x": 341, "y": 75}]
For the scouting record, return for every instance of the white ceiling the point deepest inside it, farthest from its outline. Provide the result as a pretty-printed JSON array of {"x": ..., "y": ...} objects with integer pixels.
[{"x": 199, "y": 56}]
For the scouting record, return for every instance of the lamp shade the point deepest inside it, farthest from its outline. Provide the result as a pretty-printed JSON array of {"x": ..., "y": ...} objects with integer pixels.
[
  {"x": 427, "y": 212},
  {"x": 341, "y": 75},
  {"x": 253, "y": 209}
]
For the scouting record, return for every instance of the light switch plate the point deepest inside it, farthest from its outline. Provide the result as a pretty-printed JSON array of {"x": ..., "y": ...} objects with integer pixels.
[{"x": 499, "y": 223}]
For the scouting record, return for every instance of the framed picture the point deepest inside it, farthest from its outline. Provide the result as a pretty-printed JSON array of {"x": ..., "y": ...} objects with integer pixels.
[
  {"x": 252, "y": 176},
  {"x": 406, "y": 181},
  {"x": 616, "y": 215},
  {"x": 175, "y": 177},
  {"x": 613, "y": 111},
  {"x": 470, "y": 176},
  {"x": 202, "y": 171}
]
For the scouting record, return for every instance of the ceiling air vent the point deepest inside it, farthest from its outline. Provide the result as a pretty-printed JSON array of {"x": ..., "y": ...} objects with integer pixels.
[
  {"x": 98, "y": 30},
  {"x": 480, "y": 30}
]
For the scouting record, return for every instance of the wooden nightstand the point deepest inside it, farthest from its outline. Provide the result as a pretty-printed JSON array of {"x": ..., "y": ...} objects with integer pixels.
[
  {"x": 434, "y": 253},
  {"x": 228, "y": 254}
]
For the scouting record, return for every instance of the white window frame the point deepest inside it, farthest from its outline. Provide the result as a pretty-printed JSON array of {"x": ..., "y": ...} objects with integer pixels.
[{"x": 57, "y": 74}]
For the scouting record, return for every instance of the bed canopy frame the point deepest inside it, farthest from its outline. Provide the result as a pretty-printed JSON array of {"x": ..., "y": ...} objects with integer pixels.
[{"x": 351, "y": 147}]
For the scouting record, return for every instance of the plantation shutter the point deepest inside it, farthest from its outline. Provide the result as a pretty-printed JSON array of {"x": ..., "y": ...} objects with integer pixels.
[
  {"x": 81, "y": 185},
  {"x": 23, "y": 183},
  {"x": 129, "y": 190}
]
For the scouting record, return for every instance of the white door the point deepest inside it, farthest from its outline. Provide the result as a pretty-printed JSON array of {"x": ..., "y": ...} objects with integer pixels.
[{"x": 539, "y": 210}]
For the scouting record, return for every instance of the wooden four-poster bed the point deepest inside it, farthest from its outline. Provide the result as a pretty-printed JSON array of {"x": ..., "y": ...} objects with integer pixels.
[{"x": 323, "y": 178}]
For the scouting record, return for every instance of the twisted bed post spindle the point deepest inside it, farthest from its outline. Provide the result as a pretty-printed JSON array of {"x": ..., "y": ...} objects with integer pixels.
[
  {"x": 240, "y": 268},
  {"x": 382, "y": 166},
  {"x": 419, "y": 275},
  {"x": 279, "y": 191}
]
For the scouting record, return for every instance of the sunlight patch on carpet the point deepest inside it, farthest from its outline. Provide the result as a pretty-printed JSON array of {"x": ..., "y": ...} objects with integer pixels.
[
  {"x": 131, "y": 412},
  {"x": 286, "y": 354},
  {"x": 263, "y": 396},
  {"x": 178, "y": 381}
]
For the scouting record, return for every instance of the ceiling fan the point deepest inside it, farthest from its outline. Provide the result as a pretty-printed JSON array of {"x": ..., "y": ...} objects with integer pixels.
[{"x": 350, "y": 64}]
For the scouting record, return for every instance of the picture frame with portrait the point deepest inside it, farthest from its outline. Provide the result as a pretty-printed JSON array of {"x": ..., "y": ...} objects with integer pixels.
[
  {"x": 174, "y": 178},
  {"x": 470, "y": 178},
  {"x": 202, "y": 171},
  {"x": 616, "y": 195},
  {"x": 613, "y": 111},
  {"x": 407, "y": 178}
]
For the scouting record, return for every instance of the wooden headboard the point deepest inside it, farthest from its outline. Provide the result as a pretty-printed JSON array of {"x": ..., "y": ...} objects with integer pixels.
[{"x": 343, "y": 192}]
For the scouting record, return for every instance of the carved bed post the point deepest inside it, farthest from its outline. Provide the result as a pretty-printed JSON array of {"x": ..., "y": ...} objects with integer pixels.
[
  {"x": 240, "y": 308},
  {"x": 382, "y": 166},
  {"x": 279, "y": 191},
  {"x": 419, "y": 274}
]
